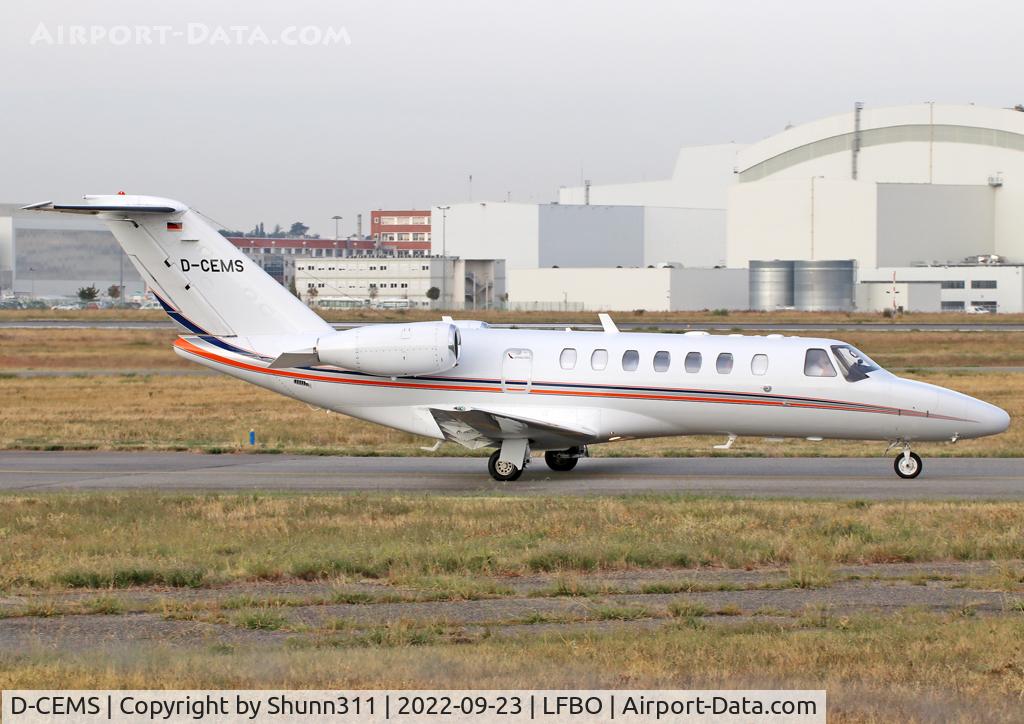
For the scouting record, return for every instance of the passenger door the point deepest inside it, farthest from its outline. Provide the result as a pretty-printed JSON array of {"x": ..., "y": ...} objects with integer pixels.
[{"x": 517, "y": 371}]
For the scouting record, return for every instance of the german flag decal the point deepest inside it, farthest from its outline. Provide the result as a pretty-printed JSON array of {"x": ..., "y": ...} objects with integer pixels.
[{"x": 174, "y": 226}]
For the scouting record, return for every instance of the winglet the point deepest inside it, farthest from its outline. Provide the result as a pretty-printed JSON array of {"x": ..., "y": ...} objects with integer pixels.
[{"x": 608, "y": 324}]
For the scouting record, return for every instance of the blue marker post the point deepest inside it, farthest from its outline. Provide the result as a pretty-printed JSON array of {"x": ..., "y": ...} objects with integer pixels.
[{"x": 252, "y": 437}]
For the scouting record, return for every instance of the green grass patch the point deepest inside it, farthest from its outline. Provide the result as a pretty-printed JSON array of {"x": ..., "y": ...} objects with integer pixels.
[{"x": 261, "y": 621}]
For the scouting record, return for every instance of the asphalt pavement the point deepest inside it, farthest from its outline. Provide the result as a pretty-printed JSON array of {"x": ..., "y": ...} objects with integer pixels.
[{"x": 847, "y": 478}]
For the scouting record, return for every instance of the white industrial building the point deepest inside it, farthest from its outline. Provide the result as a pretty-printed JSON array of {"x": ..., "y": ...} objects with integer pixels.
[
  {"x": 982, "y": 287},
  {"x": 529, "y": 236},
  {"x": 7, "y": 248},
  {"x": 659, "y": 289},
  {"x": 400, "y": 282},
  {"x": 904, "y": 188}
]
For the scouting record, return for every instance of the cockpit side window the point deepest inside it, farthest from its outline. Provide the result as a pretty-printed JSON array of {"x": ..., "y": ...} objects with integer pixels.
[
  {"x": 855, "y": 364},
  {"x": 818, "y": 364}
]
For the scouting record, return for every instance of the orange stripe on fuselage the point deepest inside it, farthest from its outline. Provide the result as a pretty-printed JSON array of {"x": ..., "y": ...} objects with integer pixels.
[{"x": 191, "y": 348}]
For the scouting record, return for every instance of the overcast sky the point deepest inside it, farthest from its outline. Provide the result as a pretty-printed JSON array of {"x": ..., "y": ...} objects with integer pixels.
[{"x": 416, "y": 96}]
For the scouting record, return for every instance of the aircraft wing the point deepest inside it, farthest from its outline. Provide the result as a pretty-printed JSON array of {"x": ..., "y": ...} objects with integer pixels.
[{"x": 475, "y": 428}]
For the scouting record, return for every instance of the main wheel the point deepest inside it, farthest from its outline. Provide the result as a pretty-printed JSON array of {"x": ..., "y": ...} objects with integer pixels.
[
  {"x": 908, "y": 467},
  {"x": 503, "y": 472},
  {"x": 558, "y": 461}
]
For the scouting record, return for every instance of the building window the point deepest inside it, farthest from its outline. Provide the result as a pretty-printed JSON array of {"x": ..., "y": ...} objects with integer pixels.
[
  {"x": 983, "y": 284},
  {"x": 568, "y": 358},
  {"x": 818, "y": 364},
  {"x": 662, "y": 360},
  {"x": 630, "y": 360},
  {"x": 692, "y": 362},
  {"x": 985, "y": 306},
  {"x": 952, "y": 306},
  {"x": 953, "y": 284},
  {"x": 724, "y": 363},
  {"x": 759, "y": 364},
  {"x": 599, "y": 359}
]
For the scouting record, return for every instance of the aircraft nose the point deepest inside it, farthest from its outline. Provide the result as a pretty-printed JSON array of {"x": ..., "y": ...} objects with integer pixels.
[{"x": 991, "y": 420}]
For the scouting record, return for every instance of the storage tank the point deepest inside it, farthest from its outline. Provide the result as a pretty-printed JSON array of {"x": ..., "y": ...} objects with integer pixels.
[
  {"x": 771, "y": 284},
  {"x": 828, "y": 285}
]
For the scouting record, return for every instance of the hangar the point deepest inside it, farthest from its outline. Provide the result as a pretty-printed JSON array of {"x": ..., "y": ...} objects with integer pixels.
[{"x": 894, "y": 190}]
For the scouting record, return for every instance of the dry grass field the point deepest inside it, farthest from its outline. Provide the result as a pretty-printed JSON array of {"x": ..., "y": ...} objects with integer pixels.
[
  {"x": 389, "y": 591},
  {"x": 113, "y": 540}
]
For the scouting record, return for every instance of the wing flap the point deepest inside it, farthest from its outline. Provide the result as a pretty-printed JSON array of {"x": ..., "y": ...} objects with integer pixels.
[{"x": 475, "y": 428}]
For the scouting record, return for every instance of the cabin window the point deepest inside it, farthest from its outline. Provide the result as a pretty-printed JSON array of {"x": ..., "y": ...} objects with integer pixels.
[
  {"x": 630, "y": 360},
  {"x": 662, "y": 360},
  {"x": 759, "y": 364},
  {"x": 692, "y": 362},
  {"x": 724, "y": 363},
  {"x": 599, "y": 359},
  {"x": 568, "y": 358},
  {"x": 818, "y": 364}
]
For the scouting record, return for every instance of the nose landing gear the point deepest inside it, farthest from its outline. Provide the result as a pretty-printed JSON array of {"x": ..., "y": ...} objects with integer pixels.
[{"x": 908, "y": 464}]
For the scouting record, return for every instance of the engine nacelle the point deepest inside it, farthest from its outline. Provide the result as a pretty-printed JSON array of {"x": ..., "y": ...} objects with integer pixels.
[{"x": 393, "y": 350}]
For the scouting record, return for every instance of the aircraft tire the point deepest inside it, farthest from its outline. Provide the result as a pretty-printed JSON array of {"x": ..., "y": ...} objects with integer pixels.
[
  {"x": 502, "y": 472},
  {"x": 559, "y": 463},
  {"x": 908, "y": 469}
]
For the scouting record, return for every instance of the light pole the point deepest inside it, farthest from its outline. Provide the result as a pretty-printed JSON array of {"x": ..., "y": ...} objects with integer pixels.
[{"x": 444, "y": 255}]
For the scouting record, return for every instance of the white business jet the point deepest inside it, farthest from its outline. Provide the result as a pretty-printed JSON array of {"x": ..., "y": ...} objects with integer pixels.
[{"x": 517, "y": 390}]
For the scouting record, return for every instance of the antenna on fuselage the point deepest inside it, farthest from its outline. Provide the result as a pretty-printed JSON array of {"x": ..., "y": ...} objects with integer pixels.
[{"x": 607, "y": 324}]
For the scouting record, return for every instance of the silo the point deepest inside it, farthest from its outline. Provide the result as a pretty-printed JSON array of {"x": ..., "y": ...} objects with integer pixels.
[
  {"x": 827, "y": 285},
  {"x": 771, "y": 284}
]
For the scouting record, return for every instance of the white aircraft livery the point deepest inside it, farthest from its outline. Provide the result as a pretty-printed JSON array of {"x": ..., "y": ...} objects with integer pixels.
[{"x": 520, "y": 390}]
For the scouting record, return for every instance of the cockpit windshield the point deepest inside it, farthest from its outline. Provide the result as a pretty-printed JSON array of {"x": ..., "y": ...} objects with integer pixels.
[{"x": 855, "y": 364}]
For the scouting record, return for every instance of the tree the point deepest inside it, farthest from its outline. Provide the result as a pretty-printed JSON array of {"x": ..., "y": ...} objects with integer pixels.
[
  {"x": 433, "y": 294},
  {"x": 373, "y": 291},
  {"x": 114, "y": 291},
  {"x": 311, "y": 295},
  {"x": 298, "y": 229},
  {"x": 88, "y": 294},
  {"x": 291, "y": 287}
]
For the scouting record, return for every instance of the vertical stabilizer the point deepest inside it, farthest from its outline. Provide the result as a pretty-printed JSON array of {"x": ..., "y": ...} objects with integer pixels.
[{"x": 205, "y": 283}]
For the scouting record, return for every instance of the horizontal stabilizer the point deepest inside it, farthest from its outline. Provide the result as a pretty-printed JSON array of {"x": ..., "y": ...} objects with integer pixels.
[
  {"x": 298, "y": 358},
  {"x": 130, "y": 205}
]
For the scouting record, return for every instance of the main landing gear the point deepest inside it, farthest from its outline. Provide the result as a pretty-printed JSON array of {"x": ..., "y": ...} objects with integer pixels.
[
  {"x": 562, "y": 461},
  {"x": 508, "y": 462},
  {"x": 503, "y": 471},
  {"x": 503, "y": 465},
  {"x": 907, "y": 464}
]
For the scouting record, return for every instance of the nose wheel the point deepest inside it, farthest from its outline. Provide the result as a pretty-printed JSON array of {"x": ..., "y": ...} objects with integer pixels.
[{"x": 908, "y": 465}]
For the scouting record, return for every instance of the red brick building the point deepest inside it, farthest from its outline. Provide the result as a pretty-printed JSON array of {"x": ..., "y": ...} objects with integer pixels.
[{"x": 403, "y": 230}]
